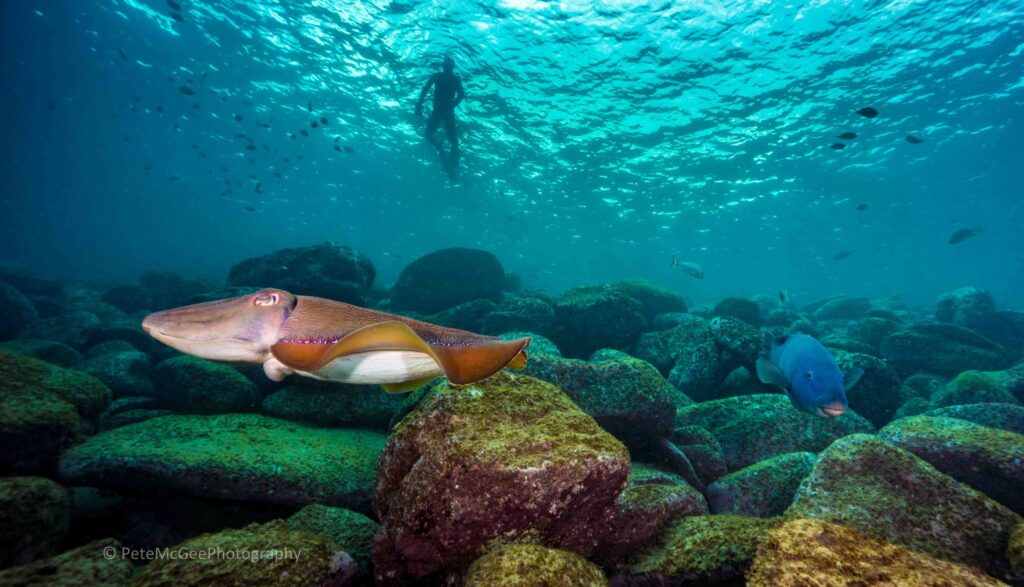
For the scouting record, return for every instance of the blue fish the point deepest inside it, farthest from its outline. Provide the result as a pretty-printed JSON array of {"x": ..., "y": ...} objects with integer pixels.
[{"x": 806, "y": 370}]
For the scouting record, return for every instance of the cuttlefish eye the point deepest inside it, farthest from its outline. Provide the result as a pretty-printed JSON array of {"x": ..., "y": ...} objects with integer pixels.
[{"x": 266, "y": 300}]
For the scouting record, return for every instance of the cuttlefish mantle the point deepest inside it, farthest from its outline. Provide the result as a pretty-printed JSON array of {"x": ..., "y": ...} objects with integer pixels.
[{"x": 332, "y": 341}]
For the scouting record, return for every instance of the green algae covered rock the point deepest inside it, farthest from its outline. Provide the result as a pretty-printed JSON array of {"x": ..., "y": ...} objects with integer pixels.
[
  {"x": 974, "y": 387},
  {"x": 699, "y": 550},
  {"x": 509, "y": 459},
  {"x": 43, "y": 410},
  {"x": 811, "y": 552},
  {"x": 519, "y": 313},
  {"x": 244, "y": 457},
  {"x": 75, "y": 328},
  {"x": 627, "y": 396},
  {"x": 529, "y": 565},
  {"x": 741, "y": 308},
  {"x": 871, "y": 486},
  {"x": 270, "y": 554},
  {"x": 877, "y": 395},
  {"x": 654, "y": 298},
  {"x": 538, "y": 345},
  {"x": 944, "y": 349},
  {"x": 333, "y": 404},
  {"x": 1015, "y": 550},
  {"x": 125, "y": 373},
  {"x": 205, "y": 387},
  {"x": 51, "y": 351},
  {"x": 762, "y": 490},
  {"x": 912, "y": 407},
  {"x": 34, "y": 517},
  {"x": 1003, "y": 416},
  {"x": 753, "y": 428},
  {"x": 84, "y": 566},
  {"x": 590, "y": 318},
  {"x": 352, "y": 531},
  {"x": 987, "y": 459}
]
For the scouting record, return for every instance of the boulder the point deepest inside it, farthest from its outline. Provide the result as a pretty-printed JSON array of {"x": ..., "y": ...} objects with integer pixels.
[
  {"x": 16, "y": 312},
  {"x": 988, "y": 459},
  {"x": 129, "y": 297},
  {"x": 688, "y": 344},
  {"x": 43, "y": 410},
  {"x": 943, "y": 349},
  {"x": 351, "y": 531},
  {"x": 1008, "y": 417},
  {"x": 974, "y": 387},
  {"x": 260, "y": 554},
  {"x": 326, "y": 271},
  {"x": 753, "y": 428},
  {"x": 741, "y": 381},
  {"x": 446, "y": 278},
  {"x": 848, "y": 557},
  {"x": 34, "y": 517},
  {"x": 86, "y": 565},
  {"x": 522, "y": 462},
  {"x": 50, "y": 351},
  {"x": 28, "y": 282},
  {"x": 531, "y": 314},
  {"x": 170, "y": 290},
  {"x": 1015, "y": 550},
  {"x": 242, "y": 457},
  {"x": 871, "y": 331},
  {"x": 871, "y": 486},
  {"x": 129, "y": 410},
  {"x": 197, "y": 385},
  {"x": 323, "y": 403},
  {"x": 739, "y": 341},
  {"x": 762, "y": 490},
  {"x": 590, "y": 318},
  {"x": 539, "y": 344},
  {"x": 465, "y": 316},
  {"x": 967, "y": 307},
  {"x": 654, "y": 299},
  {"x": 125, "y": 374},
  {"x": 521, "y": 565},
  {"x": 109, "y": 347},
  {"x": 75, "y": 328},
  {"x": 744, "y": 309},
  {"x": 877, "y": 395},
  {"x": 842, "y": 308}
]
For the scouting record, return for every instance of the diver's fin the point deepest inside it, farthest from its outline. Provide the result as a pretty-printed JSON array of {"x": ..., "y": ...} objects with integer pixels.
[
  {"x": 407, "y": 385},
  {"x": 769, "y": 373},
  {"x": 382, "y": 336},
  {"x": 850, "y": 379}
]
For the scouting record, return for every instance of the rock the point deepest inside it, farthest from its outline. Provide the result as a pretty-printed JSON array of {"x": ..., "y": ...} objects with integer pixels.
[
  {"x": 850, "y": 345},
  {"x": 84, "y": 566},
  {"x": 205, "y": 387},
  {"x": 518, "y": 457},
  {"x": 699, "y": 550},
  {"x": 647, "y": 505},
  {"x": 170, "y": 290},
  {"x": 873, "y": 330},
  {"x": 522, "y": 565},
  {"x": 740, "y": 381},
  {"x": 446, "y": 278},
  {"x": 740, "y": 341},
  {"x": 842, "y": 308},
  {"x": 877, "y": 395},
  {"x": 50, "y": 351},
  {"x": 243, "y": 457},
  {"x": 780, "y": 317},
  {"x": 109, "y": 347},
  {"x": 16, "y": 312},
  {"x": 43, "y": 410},
  {"x": 842, "y": 556},
  {"x": 333, "y": 404},
  {"x": 539, "y": 344},
  {"x": 125, "y": 374},
  {"x": 627, "y": 397},
  {"x": 988, "y": 459},
  {"x": 1005, "y": 328},
  {"x": 466, "y": 316},
  {"x": 756, "y": 427},
  {"x": 34, "y": 517},
  {"x": 1008, "y": 417},
  {"x": 668, "y": 320},
  {"x": 912, "y": 407},
  {"x": 352, "y": 531},
  {"x": 743, "y": 309},
  {"x": 74, "y": 329},
  {"x": 924, "y": 384},
  {"x": 27, "y": 282},
  {"x": 762, "y": 490},
  {"x": 292, "y": 557},
  {"x": 696, "y": 454},
  {"x": 974, "y": 387},
  {"x": 967, "y": 307},
  {"x": 1015, "y": 550},
  {"x": 326, "y": 271},
  {"x": 871, "y": 486},
  {"x": 590, "y": 318},
  {"x": 944, "y": 349},
  {"x": 132, "y": 334},
  {"x": 129, "y": 297},
  {"x": 129, "y": 410},
  {"x": 520, "y": 313},
  {"x": 665, "y": 348},
  {"x": 655, "y": 299}
]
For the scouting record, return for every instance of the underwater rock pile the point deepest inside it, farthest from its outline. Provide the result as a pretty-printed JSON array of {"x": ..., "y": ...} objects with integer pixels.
[{"x": 637, "y": 447}]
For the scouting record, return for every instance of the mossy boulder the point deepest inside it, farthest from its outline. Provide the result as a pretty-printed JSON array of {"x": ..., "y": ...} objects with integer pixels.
[
  {"x": 914, "y": 406},
  {"x": 871, "y": 486},
  {"x": 988, "y": 459},
  {"x": 333, "y": 404},
  {"x": 326, "y": 270},
  {"x": 529, "y": 565},
  {"x": 74, "y": 328},
  {"x": 244, "y": 457},
  {"x": 465, "y": 316},
  {"x": 125, "y": 374},
  {"x": 654, "y": 298},
  {"x": 527, "y": 313},
  {"x": 197, "y": 385},
  {"x": 968, "y": 307},
  {"x": 812, "y": 552},
  {"x": 508, "y": 459},
  {"x": 686, "y": 354},
  {"x": 842, "y": 307},
  {"x": 51, "y": 351},
  {"x": 974, "y": 387},
  {"x": 34, "y": 517},
  {"x": 43, "y": 410},
  {"x": 284, "y": 557},
  {"x": 742, "y": 308},
  {"x": 446, "y": 278},
  {"x": 627, "y": 396},
  {"x": 1015, "y": 550},
  {"x": 877, "y": 395},
  {"x": 873, "y": 330},
  {"x": 16, "y": 311},
  {"x": 590, "y": 318},
  {"x": 944, "y": 349},
  {"x": 739, "y": 342},
  {"x": 762, "y": 490},
  {"x": 753, "y": 428},
  {"x": 699, "y": 550},
  {"x": 86, "y": 565},
  {"x": 1002, "y": 416},
  {"x": 538, "y": 345},
  {"x": 129, "y": 410},
  {"x": 109, "y": 347},
  {"x": 352, "y": 531}
]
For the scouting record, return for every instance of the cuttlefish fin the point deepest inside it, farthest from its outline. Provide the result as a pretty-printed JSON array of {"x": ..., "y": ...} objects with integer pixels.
[
  {"x": 468, "y": 363},
  {"x": 407, "y": 385}
]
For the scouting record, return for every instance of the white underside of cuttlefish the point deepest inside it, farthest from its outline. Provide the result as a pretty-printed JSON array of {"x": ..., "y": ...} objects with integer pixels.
[{"x": 331, "y": 341}]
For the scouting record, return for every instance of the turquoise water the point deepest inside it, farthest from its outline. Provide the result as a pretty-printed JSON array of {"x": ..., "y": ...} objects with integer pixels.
[{"x": 598, "y": 139}]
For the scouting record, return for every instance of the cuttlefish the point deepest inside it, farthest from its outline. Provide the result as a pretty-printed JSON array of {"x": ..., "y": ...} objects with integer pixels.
[{"x": 332, "y": 341}]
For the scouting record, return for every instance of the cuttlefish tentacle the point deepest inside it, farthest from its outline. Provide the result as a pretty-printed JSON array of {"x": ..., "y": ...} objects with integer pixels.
[{"x": 334, "y": 341}]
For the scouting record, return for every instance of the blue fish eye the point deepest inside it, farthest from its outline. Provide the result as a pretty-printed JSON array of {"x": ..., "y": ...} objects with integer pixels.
[{"x": 808, "y": 375}]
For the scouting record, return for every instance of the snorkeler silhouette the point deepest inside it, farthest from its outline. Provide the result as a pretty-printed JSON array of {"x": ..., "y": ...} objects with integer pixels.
[{"x": 447, "y": 95}]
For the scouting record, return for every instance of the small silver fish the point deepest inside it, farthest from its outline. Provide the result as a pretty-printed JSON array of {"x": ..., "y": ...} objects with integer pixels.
[{"x": 690, "y": 268}]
